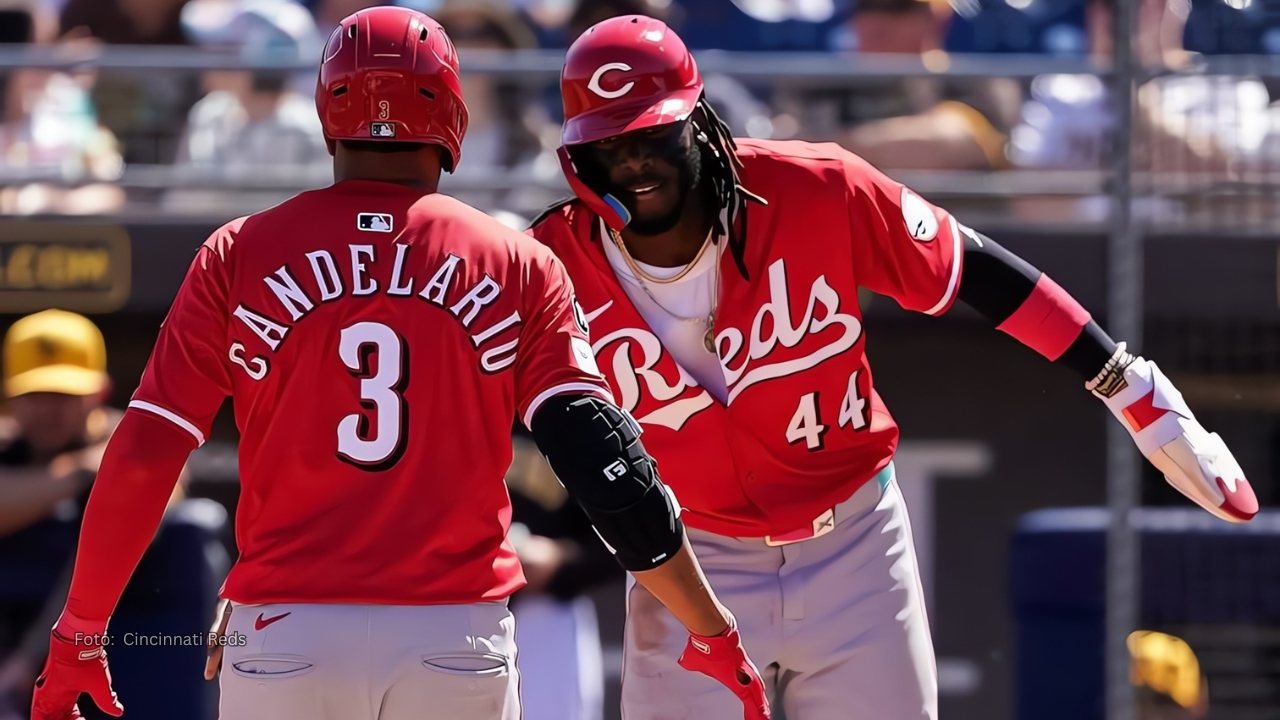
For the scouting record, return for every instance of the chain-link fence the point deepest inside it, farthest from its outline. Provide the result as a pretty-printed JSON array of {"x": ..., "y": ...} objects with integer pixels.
[{"x": 1194, "y": 156}]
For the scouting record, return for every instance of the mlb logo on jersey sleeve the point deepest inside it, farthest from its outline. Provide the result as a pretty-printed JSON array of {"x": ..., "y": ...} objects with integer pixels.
[{"x": 374, "y": 222}]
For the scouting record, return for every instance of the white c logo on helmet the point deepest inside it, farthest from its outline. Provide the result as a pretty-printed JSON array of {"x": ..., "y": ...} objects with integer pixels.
[{"x": 594, "y": 85}]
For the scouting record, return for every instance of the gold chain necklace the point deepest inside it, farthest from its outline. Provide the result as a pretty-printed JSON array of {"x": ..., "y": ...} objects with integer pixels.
[{"x": 708, "y": 337}]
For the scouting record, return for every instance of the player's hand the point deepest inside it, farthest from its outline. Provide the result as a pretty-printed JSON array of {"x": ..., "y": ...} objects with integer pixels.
[
  {"x": 541, "y": 558},
  {"x": 722, "y": 658},
  {"x": 213, "y": 662},
  {"x": 70, "y": 670},
  {"x": 1194, "y": 461}
]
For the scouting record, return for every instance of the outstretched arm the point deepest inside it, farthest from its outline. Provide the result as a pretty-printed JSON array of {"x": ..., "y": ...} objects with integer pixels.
[
  {"x": 1029, "y": 306},
  {"x": 184, "y": 384},
  {"x": 918, "y": 254},
  {"x": 595, "y": 450}
]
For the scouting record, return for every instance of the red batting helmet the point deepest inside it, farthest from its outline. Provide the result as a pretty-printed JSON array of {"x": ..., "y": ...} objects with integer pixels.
[
  {"x": 623, "y": 74},
  {"x": 391, "y": 73}
]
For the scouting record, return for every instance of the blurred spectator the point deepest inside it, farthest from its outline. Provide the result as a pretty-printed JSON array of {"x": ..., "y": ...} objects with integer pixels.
[
  {"x": 586, "y": 13},
  {"x": 508, "y": 133},
  {"x": 561, "y": 668},
  {"x": 920, "y": 122},
  {"x": 762, "y": 25},
  {"x": 49, "y": 128},
  {"x": 328, "y": 13},
  {"x": 125, "y": 22},
  {"x": 251, "y": 124},
  {"x": 773, "y": 11},
  {"x": 1242, "y": 27},
  {"x": 138, "y": 109},
  {"x": 56, "y": 383},
  {"x": 1182, "y": 124},
  {"x": 1043, "y": 27}
]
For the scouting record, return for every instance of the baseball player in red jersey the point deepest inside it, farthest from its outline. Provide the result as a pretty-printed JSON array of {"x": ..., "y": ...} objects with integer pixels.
[
  {"x": 377, "y": 338},
  {"x": 720, "y": 279}
]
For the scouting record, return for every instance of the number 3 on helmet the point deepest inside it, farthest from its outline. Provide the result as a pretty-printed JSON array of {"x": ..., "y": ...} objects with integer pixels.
[{"x": 391, "y": 74}]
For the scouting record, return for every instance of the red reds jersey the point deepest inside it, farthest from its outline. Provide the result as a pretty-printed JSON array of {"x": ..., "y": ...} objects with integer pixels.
[
  {"x": 802, "y": 427},
  {"x": 377, "y": 344}
]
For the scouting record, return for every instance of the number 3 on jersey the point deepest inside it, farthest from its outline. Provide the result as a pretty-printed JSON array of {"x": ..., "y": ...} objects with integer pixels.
[
  {"x": 376, "y": 355},
  {"x": 805, "y": 425}
]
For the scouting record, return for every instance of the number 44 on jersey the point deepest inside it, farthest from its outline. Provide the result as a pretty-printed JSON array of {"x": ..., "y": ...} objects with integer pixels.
[{"x": 806, "y": 425}]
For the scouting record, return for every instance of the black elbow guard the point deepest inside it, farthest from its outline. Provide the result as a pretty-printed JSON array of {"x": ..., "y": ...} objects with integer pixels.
[{"x": 594, "y": 449}]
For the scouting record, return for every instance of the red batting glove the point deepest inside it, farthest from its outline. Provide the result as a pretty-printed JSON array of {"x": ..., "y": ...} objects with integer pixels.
[
  {"x": 722, "y": 658},
  {"x": 70, "y": 670}
]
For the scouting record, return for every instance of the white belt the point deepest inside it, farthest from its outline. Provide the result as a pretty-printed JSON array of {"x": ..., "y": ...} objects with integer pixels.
[{"x": 826, "y": 521}]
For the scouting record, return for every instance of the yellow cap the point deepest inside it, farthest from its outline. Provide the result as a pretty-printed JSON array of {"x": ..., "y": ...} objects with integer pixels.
[
  {"x": 1167, "y": 665},
  {"x": 54, "y": 351}
]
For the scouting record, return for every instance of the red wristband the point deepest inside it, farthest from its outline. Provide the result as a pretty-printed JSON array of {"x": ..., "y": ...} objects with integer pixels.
[{"x": 1048, "y": 321}]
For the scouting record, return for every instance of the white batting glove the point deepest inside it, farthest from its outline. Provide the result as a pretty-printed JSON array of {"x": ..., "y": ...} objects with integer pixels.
[{"x": 1194, "y": 461}]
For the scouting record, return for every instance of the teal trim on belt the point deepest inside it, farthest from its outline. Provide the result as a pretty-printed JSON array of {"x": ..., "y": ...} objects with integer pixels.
[{"x": 884, "y": 477}]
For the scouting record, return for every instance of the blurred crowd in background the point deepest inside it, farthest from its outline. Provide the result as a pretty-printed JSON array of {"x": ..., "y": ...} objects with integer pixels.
[{"x": 67, "y": 136}]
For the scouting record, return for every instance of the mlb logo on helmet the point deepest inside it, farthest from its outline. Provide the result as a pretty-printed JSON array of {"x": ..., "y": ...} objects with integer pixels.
[
  {"x": 374, "y": 222},
  {"x": 382, "y": 129}
]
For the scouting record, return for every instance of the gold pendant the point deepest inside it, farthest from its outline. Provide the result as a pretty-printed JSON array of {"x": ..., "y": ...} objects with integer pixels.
[{"x": 709, "y": 340}]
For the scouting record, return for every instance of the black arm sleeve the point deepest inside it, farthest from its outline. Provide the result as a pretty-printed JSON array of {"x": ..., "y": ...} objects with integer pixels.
[
  {"x": 995, "y": 282},
  {"x": 595, "y": 451}
]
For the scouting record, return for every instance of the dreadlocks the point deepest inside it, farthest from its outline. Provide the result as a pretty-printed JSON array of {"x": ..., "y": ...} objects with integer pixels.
[{"x": 716, "y": 140}]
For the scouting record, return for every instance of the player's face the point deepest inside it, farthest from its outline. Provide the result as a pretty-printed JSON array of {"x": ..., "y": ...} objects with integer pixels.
[
  {"x": 51, "y": 421},
  {"x": 652, "y": 172}
]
